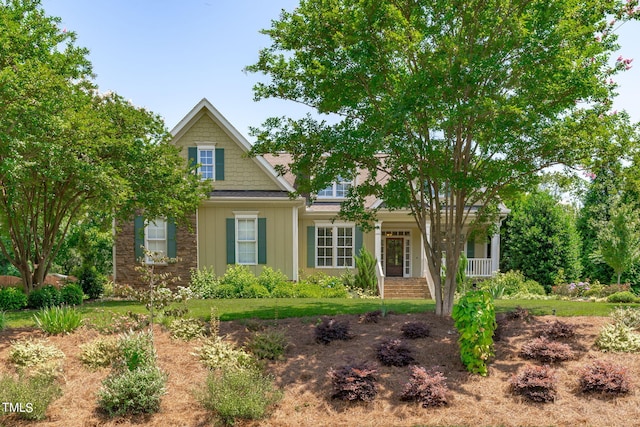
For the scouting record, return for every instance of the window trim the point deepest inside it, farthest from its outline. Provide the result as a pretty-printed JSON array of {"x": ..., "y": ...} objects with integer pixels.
[
  {"x": 165, "y": 253},
  {"x": 206, "y": 147},
  {"x": 334, "y": 244},
  {"x": 244, "y": 217}
]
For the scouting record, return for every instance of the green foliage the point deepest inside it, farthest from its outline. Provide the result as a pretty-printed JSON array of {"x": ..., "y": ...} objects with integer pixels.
[
  {"x": 540, "y": 239},
  {"x": 461, "y": 275},
  {"x": 240, "y": 279},
  {"x": 186, "y": 329},
  {"x": 12, "y": 299},
  {"x": 215, "y": 353},
  {"x": 284, "y": 290},
  {"x": 136, "y": 391},
  {"x": 3, "y": 321},
  {"x": 100, "y": 352},
  {"x": 58, "y": 320},
  {"x": 239, "y": 394},
  {"x": 89, "y": 242},
  {"x": 475, "y": 319},
  {"x": 511, "y": 283},
  {"x": 91, "y": 281},
  {"x": 268, "y": 345},
  {"x": 34, "y": 394},
  {"x": 622, "y": 297},
  {"x": 366, "y": 277},
  {"x": 271, "y": 279},
  {"x": 203, "y": 282},
  {"x": 46, "y": 296},
  {"x": 618, "y": 338},
  {"x": 136, "y": 350},
  {"x": 36, "y": 358},
  {"x": 71, "y": 294}
]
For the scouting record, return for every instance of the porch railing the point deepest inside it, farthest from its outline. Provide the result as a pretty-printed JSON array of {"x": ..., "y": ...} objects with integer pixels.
[
  {"x": 380, "y": 276},
  {"x": 479, "y": 267}
]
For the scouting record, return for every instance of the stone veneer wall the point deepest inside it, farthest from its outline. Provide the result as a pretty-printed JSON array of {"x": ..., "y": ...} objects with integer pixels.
[{"x": 187, "y": 252}]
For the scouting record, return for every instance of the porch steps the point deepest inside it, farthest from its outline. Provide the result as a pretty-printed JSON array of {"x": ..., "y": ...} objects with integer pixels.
[{"x": 406, "y": 288}]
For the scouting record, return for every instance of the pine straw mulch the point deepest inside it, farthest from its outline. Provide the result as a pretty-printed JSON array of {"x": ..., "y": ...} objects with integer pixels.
[{"x": 476, "y": 401}]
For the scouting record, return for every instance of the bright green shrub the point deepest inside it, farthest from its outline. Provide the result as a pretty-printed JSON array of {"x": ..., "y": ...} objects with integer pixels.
[
  {"x": 255, "y": 291},
  {"x": 268, "y": 345},
  {"x": 308, "y": 290},
  {"x": 618, "y": 338},
  {"x": 475, "y": 320},
  {"x": 204, "y": 283},
  {"x": 215, "y": 353},
  {"x": 186, "y": 329},
  {"x": 58, "y": 320},
  {"x": 71, "y": 294},
  {"x": 33, "y": 393},
  {"x": 135, "y": 351},
  {"x": 244, "y": 394},
  {"x": 227, "y": 290},
  {"x": 240, "y": 278},
  {"x": 12, "y": 299},
  {"x": 628, "y": 316},
  {"x": 622, "y": 297},
  {"x": 134, "y": 391},
  {"x": 3, "y": 321},
  {"x": 271, "y": 279},
  {"x": 510, "y": 283},
  {"x": 100, "y": 352},
  {"x": 46, "y": 296},
  {"x": 284, "y": 290}
]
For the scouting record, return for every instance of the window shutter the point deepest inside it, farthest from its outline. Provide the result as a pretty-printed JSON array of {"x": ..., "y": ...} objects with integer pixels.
[
  {"x": 172, "y": 246},
  {"x": 262, "y": 240},
  {"x": 471, "y": 248},
  {"x": 192, "y": 154},
  {"x": 231, "y": 240},
  {"x": 138, "y": 237},
  {"x": 358, "y": 241},
  {"x": 219, "y": 164},
  {"x": 311, "y": 246}
]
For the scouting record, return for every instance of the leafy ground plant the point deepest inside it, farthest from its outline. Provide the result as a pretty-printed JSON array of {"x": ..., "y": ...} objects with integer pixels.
[
  {"x": 215, "y": 353},
  {"x": 628, "y": 316},
  {"x": 36, "y": 358},
  {"x": 546, "y": 351},
  {"x": 30, "y": 396},
  {"x": 475, "y": 320},
  {"x": 100, "y": 352},
  {"x": 355, "y": 382},
  {"x": 428, "y": 387},
  {"x": 618, "y": 338},
  {"x": 58, "y": 320},
  {"x": 536, "y": 383},
  {"x": 186, "y": 329},
  {"x": 270, "y": 345}
]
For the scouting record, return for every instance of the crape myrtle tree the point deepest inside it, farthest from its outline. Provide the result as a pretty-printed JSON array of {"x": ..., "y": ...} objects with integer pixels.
[
  {"x": 445, "y": 106},
  {"x": 68, "y": 151}
]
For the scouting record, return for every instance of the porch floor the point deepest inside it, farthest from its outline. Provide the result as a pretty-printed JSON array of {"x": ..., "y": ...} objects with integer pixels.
[{"x": 406, "y": 288}]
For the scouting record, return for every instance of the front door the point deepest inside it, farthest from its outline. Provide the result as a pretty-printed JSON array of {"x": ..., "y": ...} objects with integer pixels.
[{"x": 394, "y": 256}]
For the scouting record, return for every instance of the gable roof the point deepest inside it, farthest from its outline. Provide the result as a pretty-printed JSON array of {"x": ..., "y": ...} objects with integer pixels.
[{"x": 205, "y": 107}]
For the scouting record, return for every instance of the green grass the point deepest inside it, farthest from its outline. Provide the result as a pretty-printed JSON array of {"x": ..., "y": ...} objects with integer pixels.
[{"x": 280, "y": 308}]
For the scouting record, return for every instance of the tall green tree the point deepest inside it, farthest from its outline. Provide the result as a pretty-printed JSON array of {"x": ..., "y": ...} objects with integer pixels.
[
  {"x": 445, "y": 105},
  {"x": 539, "y": 238},
  {"x": 68, "y": 151}
]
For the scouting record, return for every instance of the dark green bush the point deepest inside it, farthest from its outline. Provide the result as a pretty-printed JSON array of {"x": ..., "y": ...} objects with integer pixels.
[
  {"x": 46, "y": 296},
  {"x": 71, "y": 294},
  {"x": 12, "y": 299},
  {"x": 622, "y": 297},
  {"x": 91, "y": 281}
]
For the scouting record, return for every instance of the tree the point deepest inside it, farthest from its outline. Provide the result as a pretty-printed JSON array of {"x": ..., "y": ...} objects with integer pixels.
[
  {"x": 446, "y": 106},
  {"x": 68, "y": 151},
  {"x": 540, "y": 239}
]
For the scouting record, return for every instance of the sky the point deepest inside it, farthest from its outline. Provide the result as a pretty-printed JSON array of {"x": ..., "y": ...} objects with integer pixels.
[{"x": 166, "y": 55}]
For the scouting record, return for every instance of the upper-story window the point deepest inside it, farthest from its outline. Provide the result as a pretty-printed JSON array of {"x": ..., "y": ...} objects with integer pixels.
[
  {"x": 338, "y": 189},
  {"x": 207, "y": 162}
]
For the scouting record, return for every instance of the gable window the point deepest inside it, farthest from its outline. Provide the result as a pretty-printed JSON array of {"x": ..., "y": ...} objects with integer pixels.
[
  {"x": 210, "y": 161},
  {"x": 338, "y": 189},
  {"x": 334, "y": 246},
  {"x": 247, "y": 240},
  {"x": 155, "y": 239},
  {"x": 206, "y": 159}
]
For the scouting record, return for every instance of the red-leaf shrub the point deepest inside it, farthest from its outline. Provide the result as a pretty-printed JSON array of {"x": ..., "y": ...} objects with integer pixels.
[
  {"x": 427, "y": 387},
  {"x": 558, "y": 330},
  {"x": 414, "y": 330},
  {"x": 536, "y": 383},
  {"x": 546, "y": 351},
  {"x": 394, "y": 353},
  {"x": 604, "y": 377},
  {"x": 330, "y": 330},
  {"x": 518, "y": 313},
  {"x": 371, "y": 316},
  {"x": 354, "y": 382}
]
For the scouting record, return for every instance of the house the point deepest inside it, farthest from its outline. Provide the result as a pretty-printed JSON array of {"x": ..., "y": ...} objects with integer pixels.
[{"x": 250, "y": 219}]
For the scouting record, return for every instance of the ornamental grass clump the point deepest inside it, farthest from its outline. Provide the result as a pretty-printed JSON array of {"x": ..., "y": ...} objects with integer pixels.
[
  {"x": 605, "y": 378},
  {"x": 428, "y": 387},
  {"x": 355, "y": 382},
  {"x": 536, "y": 383},
  {"x": 546, "y": 351},
  {"x": 58, "y": 320},
  {"x": 394, "y": 353}
]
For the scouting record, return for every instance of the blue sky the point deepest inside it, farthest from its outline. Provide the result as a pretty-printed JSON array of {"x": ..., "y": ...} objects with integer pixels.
[{"x": 166, "y": 55}]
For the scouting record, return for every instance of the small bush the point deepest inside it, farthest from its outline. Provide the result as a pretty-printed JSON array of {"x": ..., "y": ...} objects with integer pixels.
[
  {"x": 91, "y": 281},
  {"x": 100, "y": 352},
  {"x": 270, "y": 279},
  {"x": 543, "y": 350},
  {"x": 12, "y": 299},
  {"x": 58, "y": 320},
  {"x": 136, "y": 350},
  {"x": 71, "y": 294},
  {"x": 268, "y": 345},
  {"x": 511, "y": 283},
  {"x": 284, "y": 290},
  {"x": 215, "y": 353},
  {"x": 204, "y": 283},
  {"x": 34, "y": 394},
  {"x": 36, "y": 358},
  {"x": 186, "y": 329},
  {"x": 46, "y": 296},
  {"x": 618, "y": 338},
  {"x": 426, "y": 387},
  {"x": 558, "y": 330},
  {"x": 331, "y": 330},
  {"x": 536, "y": 383},
  {"x": 244, "y": 394},
  {"x": 354, "y": 382},
  {"x": 371, "y": 316},
  {"x": 628, "y": 316},
  {"x": 236, "y": 282},
  {"x": 255, "y": 291},
  {"x": 134, "y": 391},
  {"x": 394, "y": 353},
  {"x": 622, "y": 297},
  {"x": 605, "y": 378},
  {"x": 415, "y": 330},
  {"x": 108, "y": 322}
]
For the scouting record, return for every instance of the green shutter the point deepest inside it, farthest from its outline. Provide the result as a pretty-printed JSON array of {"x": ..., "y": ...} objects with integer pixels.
[
  {"x": 311, "y": 246},
  {"x": 192, "y": 153},
  {"x": 138, "y": 237},
  {"x": 231, "y": 240},
  {"x": 219, "y": 164},
  {"x": 172, "y": 246},
  {"x": 358, "y": 241},
  {"x": 471, "y": 248},
  {"x": 262, "y": 240}
]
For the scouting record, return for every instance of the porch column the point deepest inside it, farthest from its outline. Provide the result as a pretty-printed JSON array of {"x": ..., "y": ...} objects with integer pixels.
[
  {"x": 378, "y": 241},
  {"x": 495, "y": 252}
]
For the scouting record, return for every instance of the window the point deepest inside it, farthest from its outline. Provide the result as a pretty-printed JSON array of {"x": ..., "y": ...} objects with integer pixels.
[
  {"x": 155, "y": 238},
  {"x": 247, "y": 240},
  {"x": 339, "y": 189},
  {"x": 334, "y": 246},
  {"x": 206, "y": 159}
]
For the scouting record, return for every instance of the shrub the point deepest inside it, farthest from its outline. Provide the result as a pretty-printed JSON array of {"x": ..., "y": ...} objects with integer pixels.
[
  {"x": 558, "y": 330},
  {"x": 186, "y": 329},
  {"x": 622, "y": 297},
  {"x": 12, "y": 299},
  {"x": 34, "y": 394},
  {"x": 354, "y": 382},
  {"x": 394, "y": 353},
  {"x": 543, "y": 350},
  {"x": 36, "y": 358},
  {"x": 134, "y": 391},
  {"x": 204, "y": 283},
  {"x": 536, "y": 383},
  {"x": 215, "y": 353},
  {"x": 240, "y": 279},
  {"x": 511, "y": 283},
  {"x": 618, "y": 338},
  {"x": 255, "y": 291},
  {"x": 108, "y": 322},
  {"x": 366, "y": 276},
  {"x": 3, "y": 320},
  {"x": 46, "y": 296},
  {"x": 475, "y": 320},
  {"x": 135, "y": 351},
  {"x": 427, "y": 387},
  {"x": 414, "y": 330},
  {"x": 628, "y": 316},
  {"x": 268, "y": 345},
  {"x": 91, "y": 281},
  {"x": 604, "y": 377},
  {"x": 270, "y": 279},
  {"x": 58, "y": 320},
  {"x": 71, "y": 294},
  {"x": 244, "y": 394},
  {"x": 100, "y": 352},
  {"x": 283, "y": 290},
  {"x": 330, "y": 330},
  {"x": 370, "y": 316}
]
